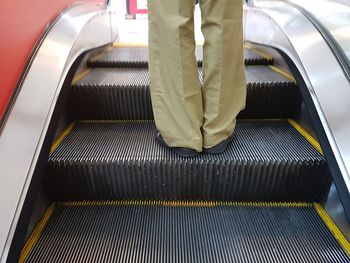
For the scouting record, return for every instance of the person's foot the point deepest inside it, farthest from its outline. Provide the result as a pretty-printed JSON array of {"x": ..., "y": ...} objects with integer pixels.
[
  {"x": 182, "y": 151},
  {"x": 219, "y": 148}
]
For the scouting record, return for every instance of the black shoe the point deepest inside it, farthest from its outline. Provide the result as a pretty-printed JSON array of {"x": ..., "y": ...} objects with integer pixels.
[
  {"x": 219, "y": 148},
  {"x": 184, "y": 152}
]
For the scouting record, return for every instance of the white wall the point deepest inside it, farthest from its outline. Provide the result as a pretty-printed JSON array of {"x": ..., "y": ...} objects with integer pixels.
[{"x": 135, "y": 31}]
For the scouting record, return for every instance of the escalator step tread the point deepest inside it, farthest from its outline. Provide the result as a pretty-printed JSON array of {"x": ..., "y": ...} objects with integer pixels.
[
  {"x": 267, "y": 160},
  {"x": 159, "y": 233},
  {"x": 124, "y": 94},
  {"x": 138, "y": 57},
  {"x": 253, "y": 140},
  {"x": 140, "y": 77}
]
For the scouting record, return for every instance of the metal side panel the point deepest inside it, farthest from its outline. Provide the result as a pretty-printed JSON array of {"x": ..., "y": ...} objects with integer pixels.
[
  {"x": 284, "y": 27},
  {"x": 266, "y": 160},
  {"x": 185, "y": 232},
  {"x": 334, "y": 17},
  {"x": 137, "y": 57},
  {"x": 124, "y": 94},
  {"x": 73, "y": 33}
]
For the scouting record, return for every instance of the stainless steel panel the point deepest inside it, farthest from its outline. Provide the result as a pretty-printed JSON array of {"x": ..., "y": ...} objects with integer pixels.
[
  {"x": 279, "y": 25},
  {"x": 334, "y": 16},
  {"x": 335, "y": 210},
  {"x": 82, "y": 27}
]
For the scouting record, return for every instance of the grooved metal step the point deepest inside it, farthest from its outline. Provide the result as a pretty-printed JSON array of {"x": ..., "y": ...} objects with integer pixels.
[
  {"x": 123, "y": 94},
  {"x": 266, "y": 161},
  {"x": 137, "y": 57},
  {"x": 159, "y": 233}
]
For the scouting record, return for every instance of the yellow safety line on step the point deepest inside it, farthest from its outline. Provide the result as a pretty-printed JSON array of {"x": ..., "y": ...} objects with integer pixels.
[
  {"x": 268, "y": 57},
  {"x": 188, "y": 203},
  {"x": 247, "y": 45},
  {"x": 260, "y": 53},
  {"x": 61, "y": 137},
  {"x": 93, "y": 58},
  {"x": 283, "y": 73},
  {"x": 87, "y": 71},
  {"x": 119, "y": 44},
  {"x": 80, "y": 76},
  {"x": 306, "y": 135},
  {"x": 333, "y": 228},
  {"x": 36, "y": 234}
]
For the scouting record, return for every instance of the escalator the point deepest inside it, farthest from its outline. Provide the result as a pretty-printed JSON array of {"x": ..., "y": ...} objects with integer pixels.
[{"x": 119, "y": 196}]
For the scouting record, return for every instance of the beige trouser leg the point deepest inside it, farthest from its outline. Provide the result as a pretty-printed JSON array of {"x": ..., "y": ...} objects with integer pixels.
[
  {"x": 177, "y": 98},
  {"x": 224, "y": 89},
  {"x": 175, "y": 89}
]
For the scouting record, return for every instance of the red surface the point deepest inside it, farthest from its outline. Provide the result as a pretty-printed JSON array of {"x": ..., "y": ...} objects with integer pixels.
[
  {"x": 133, "y": 8},
  {"x": 21, "y": 23}
]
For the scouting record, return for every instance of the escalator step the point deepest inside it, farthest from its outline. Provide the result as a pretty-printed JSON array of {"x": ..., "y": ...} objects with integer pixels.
[
  {"x": 137, "y": 57},
  {"x": 159, "y": 233},
  {"x": 122, "y": 94},
  {"x": 266, "y": 161}
]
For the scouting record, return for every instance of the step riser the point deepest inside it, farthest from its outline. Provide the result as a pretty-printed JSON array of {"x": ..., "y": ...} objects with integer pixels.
[
  {"x": 186, "y": 180},
  {"x": 264, "y": 101},
  {"x": 266, "y": 161}
]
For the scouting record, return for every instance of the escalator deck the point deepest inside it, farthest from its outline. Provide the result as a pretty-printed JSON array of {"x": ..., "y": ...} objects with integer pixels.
[{"x": 154, "y": 231}]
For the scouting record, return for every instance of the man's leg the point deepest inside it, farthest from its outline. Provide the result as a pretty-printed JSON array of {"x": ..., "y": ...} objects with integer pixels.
[
  {"x": 175, "y": 89},
  {"x": 224, "y": 90}
]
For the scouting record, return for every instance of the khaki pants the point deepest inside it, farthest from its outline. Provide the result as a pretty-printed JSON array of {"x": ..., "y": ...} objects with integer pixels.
[{"x": 186, "y": 114}]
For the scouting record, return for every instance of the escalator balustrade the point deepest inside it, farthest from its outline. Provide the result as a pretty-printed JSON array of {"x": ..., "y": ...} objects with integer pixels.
[{"x": 118, "y": 196}]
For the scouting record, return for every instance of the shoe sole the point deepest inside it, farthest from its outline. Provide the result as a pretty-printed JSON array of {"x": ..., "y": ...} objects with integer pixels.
[
  {"x": 180, "y": 151},
  {"x": 219, "y": 148}
]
